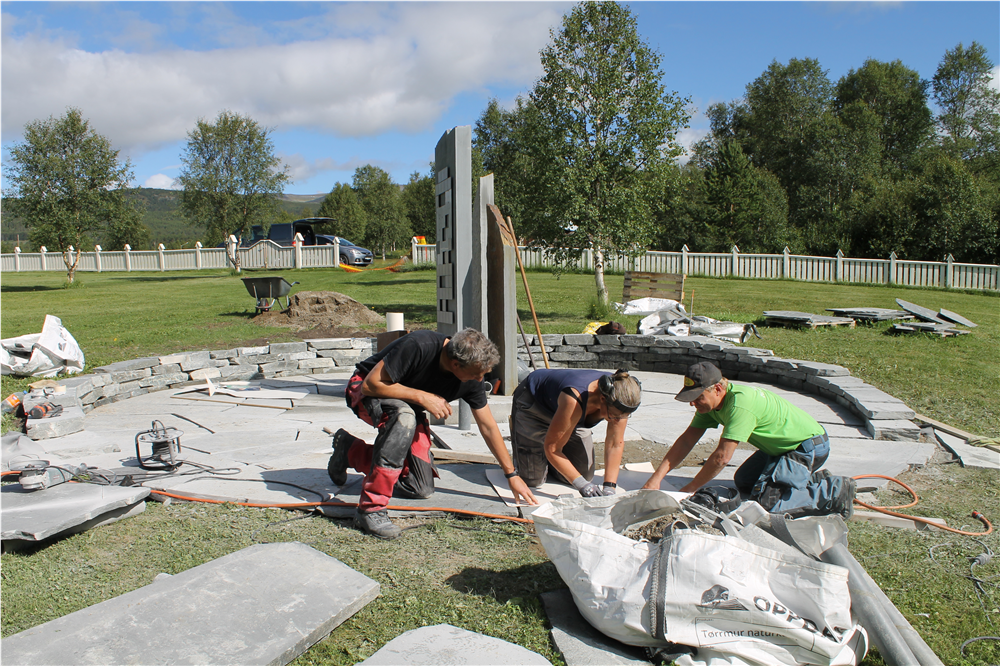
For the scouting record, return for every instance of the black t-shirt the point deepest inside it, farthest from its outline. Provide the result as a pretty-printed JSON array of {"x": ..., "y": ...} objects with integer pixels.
[{"x": 414, "y": 360}]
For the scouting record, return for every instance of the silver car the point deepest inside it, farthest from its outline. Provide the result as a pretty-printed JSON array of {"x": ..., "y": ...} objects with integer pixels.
[{"x": 350, "y": 254}]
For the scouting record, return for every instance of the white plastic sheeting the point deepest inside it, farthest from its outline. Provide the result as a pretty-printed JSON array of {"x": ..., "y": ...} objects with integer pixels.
[
  {"x": 44, "y": 354},
  {"x": 737, "y": 602}
]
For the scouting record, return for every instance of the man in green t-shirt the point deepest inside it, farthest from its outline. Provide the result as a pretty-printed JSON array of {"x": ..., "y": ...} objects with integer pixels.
[{"x": 784, "y": 474}]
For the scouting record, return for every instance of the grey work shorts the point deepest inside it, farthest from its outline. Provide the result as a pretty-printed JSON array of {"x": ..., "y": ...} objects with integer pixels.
[{"x": 529, "y": 423}]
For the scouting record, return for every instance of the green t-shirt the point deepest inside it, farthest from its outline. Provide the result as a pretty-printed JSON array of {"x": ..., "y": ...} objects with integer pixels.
[{"x": 768, "y": 421}]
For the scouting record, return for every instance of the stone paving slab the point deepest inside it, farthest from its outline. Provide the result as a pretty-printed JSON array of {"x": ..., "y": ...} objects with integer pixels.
[
  {"x": 40, "y": 514},
  {"x": 290, "y": 446},
  {"x": 578, "y": 642},
  {"x": 460, "y": 486},
  {"x": 444, "y": 644},
  {"x": 970, "y": 456},
  {"x": 113, "y": 516},
  {"x": 265, "y": 604}
]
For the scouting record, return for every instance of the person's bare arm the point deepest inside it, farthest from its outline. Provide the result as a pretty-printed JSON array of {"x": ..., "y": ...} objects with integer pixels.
[
  {"x": 681, "y": 447},
  {"x": 614, "y": 446},
  {"x": 378, "y": 384},
  {"x": 716, "y": 462},
  {"x": 563, "y": 424},
  {"x": 491, "y": 433}
]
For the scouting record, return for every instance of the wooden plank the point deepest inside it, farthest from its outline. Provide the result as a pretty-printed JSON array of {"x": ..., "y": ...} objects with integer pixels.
[
  {"x": 944, "y": 427},
  {"x": 895, "y": 521},
  {"x": 451, "y": 455},
  {"x": 239, "y": 402}
]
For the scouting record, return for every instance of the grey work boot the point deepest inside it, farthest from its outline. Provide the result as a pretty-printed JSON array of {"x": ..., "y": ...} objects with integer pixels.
[
  {"x": 843, "y": 502},
  {"x": 377, "y": 524},
  {"x": 337, "y": 468}
]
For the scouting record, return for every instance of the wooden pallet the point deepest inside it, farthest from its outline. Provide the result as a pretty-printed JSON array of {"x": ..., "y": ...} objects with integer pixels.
[
  {"x": 792, "y": 319},
  {"x": 653, "y": 285}
]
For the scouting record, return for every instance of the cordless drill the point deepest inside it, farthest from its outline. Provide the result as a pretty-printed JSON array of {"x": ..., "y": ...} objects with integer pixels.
[{"x": 44, "y": 411}]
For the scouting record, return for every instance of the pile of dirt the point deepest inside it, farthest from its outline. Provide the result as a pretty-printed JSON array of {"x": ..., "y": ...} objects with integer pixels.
[{"x": 323, "y": 310}]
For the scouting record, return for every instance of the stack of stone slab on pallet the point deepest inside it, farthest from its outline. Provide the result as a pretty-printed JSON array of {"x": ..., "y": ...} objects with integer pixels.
[{"x": 885, "y": 417}]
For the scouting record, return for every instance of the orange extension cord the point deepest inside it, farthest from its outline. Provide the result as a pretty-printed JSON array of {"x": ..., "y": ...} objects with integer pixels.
[
  {"x": 352, "y": 269},
  {"x": 887, "y": 510},
  {"x": 306, "y": 505}
]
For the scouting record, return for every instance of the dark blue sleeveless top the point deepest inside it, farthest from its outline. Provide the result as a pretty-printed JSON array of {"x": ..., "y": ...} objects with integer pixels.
[{"x": 546, "y": 385}]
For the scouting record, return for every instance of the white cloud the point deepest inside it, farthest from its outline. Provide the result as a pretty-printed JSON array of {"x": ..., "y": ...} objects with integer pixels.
[
  {"x": 161, "y": 182},
  {"x": 687, "y": 138},
  {"x": 376, "y": 68}
]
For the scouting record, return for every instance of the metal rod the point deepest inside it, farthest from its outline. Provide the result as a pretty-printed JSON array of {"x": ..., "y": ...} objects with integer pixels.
[
  {"x": 520, "y": 327},
  {"x": 531, "y": 304}
]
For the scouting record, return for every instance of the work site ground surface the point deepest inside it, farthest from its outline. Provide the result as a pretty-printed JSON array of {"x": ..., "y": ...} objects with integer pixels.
[
  {"x": 278, "y": 453},
  {"x": 280, "y": 457}
]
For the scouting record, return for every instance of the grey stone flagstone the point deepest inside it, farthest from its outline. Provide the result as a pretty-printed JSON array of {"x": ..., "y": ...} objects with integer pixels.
[
  {"x": 34, "y": 515},
  {"x": 443, "y": 644},
  {"x": 265, "y": 604}
]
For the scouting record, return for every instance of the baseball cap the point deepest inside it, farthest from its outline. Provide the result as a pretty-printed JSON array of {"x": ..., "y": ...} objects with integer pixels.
[{"x": 699, "y": 377}]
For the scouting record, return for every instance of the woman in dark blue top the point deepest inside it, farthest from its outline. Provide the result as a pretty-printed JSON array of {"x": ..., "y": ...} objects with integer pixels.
[{"x": 550, "y": 421}]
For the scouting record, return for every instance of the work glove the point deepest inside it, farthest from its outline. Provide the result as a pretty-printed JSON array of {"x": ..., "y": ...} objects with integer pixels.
[
  {"x": 609, "y": 489},
  {"x": 586, "y": 488}
]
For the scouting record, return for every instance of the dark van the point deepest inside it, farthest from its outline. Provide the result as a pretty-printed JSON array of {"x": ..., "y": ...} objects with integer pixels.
[{"x": 283, "y": 233}]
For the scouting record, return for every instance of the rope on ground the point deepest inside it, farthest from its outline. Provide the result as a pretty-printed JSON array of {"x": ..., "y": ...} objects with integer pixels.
[{"x": 888, "y": 510}]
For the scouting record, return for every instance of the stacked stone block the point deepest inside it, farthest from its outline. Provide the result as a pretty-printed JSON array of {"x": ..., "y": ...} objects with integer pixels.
[
  {"x": 127, "y": 379},
  {"x": 885, "y": 417}
]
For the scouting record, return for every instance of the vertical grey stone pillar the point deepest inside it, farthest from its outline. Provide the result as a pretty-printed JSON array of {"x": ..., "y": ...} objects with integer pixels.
[
  {"x": 501, "y": 296},
  {"x": 461, "y": 243},
  {"x": 453, "y": 192}
]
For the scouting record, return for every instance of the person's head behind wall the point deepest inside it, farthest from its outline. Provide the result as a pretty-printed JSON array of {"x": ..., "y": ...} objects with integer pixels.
[
  {"x": 698, "y": 378},
  {"x": 472, "y": 350},
  {"x": 621, "y": 391}
]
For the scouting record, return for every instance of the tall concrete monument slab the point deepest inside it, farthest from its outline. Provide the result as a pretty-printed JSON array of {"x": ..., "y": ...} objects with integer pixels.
[
  {"x": 459, "y": 265},
  {"x": 501, "y": 296}
]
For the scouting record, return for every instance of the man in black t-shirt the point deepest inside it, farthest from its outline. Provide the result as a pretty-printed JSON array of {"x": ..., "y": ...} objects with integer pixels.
[{"x": 393, "y": 390}]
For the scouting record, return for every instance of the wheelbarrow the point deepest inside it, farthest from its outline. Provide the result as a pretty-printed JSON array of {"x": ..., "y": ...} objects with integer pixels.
[{"x": 268, "y": 290}]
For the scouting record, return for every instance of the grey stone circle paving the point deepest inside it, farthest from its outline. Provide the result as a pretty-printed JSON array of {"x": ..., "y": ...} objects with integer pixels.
[{"x": 279, "y": 451}]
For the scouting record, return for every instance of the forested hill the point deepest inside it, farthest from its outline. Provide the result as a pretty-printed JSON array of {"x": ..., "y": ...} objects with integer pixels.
[
  {"x": 168, "y": 226},
  {"x": 164, "y": 219}
]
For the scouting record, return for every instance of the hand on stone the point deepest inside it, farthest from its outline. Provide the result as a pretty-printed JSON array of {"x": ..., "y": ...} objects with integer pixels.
[
  {"x": 590, "y": 490},
  {"x": 521, "y": 490}
]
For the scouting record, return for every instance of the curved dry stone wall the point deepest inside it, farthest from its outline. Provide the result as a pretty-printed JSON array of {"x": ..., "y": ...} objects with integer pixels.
[{"x": 884, "y": 416}]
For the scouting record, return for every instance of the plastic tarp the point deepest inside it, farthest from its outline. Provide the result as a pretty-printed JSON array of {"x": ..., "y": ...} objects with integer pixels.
[
  {"x": 664, "y": 316},
  {"x": 736, "y": 602},
  {"x": 44, "y": 354},
  {"x": 649, "y": 305}
]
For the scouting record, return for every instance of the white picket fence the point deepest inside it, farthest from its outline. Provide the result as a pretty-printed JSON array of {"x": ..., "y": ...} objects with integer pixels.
[
  {"x": 267, "y": 254},
  {"x": 946, "y": 273},
  {"x": 263, "y": 254}
]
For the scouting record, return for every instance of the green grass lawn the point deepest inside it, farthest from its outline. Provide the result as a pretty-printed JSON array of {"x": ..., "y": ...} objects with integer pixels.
[
  {"x": 118, "y": 316},
  {"x": 480, "y": 575}
]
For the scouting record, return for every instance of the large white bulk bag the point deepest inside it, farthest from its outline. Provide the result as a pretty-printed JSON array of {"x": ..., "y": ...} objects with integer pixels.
[{"x": 735, "y": 601}]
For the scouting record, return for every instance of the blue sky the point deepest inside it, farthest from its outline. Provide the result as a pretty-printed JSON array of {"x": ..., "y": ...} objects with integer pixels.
[{"x": 348, "y": 84}]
